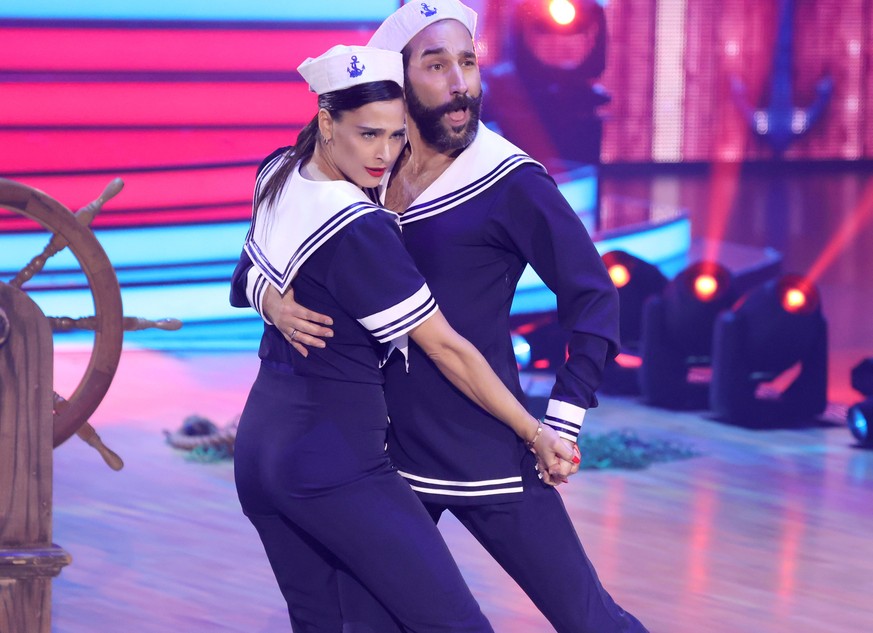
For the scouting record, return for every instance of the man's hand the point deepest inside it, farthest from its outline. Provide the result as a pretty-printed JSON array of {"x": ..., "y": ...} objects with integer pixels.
[
  {"x": 557, "y": 458},
  {"x": 302, "y": 328}
]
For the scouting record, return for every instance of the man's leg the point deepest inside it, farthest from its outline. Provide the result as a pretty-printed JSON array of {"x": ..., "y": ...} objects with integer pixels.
[{"x": 536, "y": 543}]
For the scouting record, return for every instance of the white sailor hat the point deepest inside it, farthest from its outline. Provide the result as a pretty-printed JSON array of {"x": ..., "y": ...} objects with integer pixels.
[
  {"x": 405, "y": 23},
  {"x": 346, "y": 66}
]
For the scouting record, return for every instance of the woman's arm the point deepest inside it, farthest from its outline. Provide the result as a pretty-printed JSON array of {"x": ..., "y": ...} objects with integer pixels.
[{"x": 467, "y": 369}]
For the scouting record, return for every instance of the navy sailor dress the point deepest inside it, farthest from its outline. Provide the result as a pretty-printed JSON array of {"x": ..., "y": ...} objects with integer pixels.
[{"x": 311, "y": 468}]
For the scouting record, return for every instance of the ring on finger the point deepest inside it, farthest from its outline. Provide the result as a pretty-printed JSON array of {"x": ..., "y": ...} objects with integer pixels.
[{"x": 293, "y": 334}]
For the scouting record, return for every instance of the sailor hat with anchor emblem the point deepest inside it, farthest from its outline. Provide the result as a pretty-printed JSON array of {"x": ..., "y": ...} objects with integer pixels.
[
  {"x": 405, "y": 23},
  {"x": 346, "y": 66}
]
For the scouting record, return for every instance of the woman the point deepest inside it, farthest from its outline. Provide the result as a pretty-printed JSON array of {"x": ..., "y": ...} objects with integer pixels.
[{"x": 311, "y": 468}]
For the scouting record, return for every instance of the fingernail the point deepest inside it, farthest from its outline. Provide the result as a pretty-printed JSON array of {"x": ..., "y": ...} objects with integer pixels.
[{"x": 576, "y": 459}]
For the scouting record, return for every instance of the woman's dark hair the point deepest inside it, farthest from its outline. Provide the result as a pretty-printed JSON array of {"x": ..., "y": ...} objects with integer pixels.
[{"x": 336, "y": 103}]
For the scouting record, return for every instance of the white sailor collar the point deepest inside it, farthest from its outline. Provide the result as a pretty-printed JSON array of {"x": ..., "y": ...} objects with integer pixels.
[
  {"x": 484, "y": 162},
  {"x": 306, "y": 215}
]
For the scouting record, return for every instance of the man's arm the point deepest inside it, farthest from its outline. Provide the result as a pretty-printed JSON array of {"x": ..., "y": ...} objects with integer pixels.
[
  {"x": 302, "y": 328},
  {"x": 543, "y": 228}
]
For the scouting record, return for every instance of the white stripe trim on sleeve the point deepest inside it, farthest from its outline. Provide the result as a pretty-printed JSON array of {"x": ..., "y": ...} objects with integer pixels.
[
  {"x": 565, "y": 418},
  {"x": 402, "y": 317},
  {"x": 566, "y": 412},
  {"x": 256, "y": 286}
]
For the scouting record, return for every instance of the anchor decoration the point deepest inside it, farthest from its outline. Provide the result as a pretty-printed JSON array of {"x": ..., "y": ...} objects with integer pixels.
[
  {"x": 782, "y": 122},
  {"x": 353, "y": 70},
  {"x": 426, "y": 11}
]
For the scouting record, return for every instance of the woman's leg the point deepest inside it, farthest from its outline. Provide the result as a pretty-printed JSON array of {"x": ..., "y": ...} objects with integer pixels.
[
  {"x": 306, "y": 573},
  {"x": 380, "y": 531}
]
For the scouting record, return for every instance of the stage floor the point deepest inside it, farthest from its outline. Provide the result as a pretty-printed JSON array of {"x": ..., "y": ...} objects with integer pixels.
[{"x": 765, "y": 531}]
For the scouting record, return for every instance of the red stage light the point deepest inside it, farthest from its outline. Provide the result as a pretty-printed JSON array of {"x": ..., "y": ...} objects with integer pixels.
[
  {"x": 793, "y": 300},
  {"x": 562, "y": 11},
  {"x": 797, "y": 295},
  {"x": 705, "y": 287},
  {"x": 619, "y": 274},
  {"x": 629, "y": 361}
]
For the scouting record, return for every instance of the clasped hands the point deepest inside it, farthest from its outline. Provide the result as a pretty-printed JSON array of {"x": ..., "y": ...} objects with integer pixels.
[{"x": 557, "y": 458}]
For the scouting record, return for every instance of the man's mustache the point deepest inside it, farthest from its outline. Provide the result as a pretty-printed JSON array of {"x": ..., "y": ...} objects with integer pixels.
[{"x": 457, "y": 103}]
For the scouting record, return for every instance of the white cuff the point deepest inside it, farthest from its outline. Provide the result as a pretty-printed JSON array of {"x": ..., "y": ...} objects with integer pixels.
[
  {"x": 565, "y": 418},
  {"x": 256, "y": 286}
]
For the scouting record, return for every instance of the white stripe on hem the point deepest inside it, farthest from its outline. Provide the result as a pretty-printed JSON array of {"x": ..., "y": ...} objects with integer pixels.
[
  {"x": 464, "y": 493},
  {"x": 443, "y": 482}
]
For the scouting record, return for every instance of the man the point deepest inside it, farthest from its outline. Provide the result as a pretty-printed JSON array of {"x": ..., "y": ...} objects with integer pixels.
[{"x": 475, "y": 210}]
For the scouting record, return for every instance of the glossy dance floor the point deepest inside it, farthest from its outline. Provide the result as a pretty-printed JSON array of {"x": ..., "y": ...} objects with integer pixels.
[{"x": 766, "y": 531}]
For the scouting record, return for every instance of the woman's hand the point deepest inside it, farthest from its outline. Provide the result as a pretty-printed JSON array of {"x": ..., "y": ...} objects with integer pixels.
[{"x": 302, "y": 328}]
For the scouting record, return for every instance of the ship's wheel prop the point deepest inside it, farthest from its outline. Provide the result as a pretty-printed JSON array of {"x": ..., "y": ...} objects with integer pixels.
[{"x": 73, "y": 231}]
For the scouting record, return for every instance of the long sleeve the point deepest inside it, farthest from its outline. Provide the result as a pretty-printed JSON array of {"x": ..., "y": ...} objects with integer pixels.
[
  {"x": 247, "y": 286},
  {"x": 545, "y": 231}
]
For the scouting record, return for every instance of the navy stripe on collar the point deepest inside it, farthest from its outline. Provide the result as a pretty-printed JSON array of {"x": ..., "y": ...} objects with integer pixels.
[
  {"x": 326, "y": 230},
  {"x": 450, "y": 200}
]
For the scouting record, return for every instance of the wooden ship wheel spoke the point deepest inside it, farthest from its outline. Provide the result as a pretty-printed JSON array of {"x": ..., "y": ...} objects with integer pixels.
[{"x": 73, "y": 231}]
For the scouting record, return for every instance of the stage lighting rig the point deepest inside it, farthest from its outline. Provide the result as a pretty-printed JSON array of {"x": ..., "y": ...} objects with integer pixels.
[
  {"x": 676, "y": 341},
  {"x": 769, "y": 357}
]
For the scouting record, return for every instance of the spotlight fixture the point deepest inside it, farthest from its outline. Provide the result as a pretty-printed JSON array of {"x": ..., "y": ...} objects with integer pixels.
[
  {"x": 769, "y": 360},
  {"x": 860, "y": 415},
  {"x": 676, "y": 340},
  {"x": 636, "y": 281}
]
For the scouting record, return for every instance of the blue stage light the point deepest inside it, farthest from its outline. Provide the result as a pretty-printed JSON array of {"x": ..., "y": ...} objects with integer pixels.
[
  {"x": 522, "y": 351},
  {"x": 858, "y": 420},
  {"x": 861, "y": 414}
]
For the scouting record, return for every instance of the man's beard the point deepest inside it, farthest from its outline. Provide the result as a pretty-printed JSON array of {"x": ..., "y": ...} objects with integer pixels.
[{"x": 429, "y": 120}]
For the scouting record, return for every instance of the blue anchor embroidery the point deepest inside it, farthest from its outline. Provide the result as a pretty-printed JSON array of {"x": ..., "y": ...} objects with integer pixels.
[
  {"x": 353, "y": 70},
  {"x": 782, "y": 122},
  {"x": 426, "y": 11}
]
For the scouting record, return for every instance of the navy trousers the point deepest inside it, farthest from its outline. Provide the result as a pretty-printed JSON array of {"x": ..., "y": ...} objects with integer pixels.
[
  {"x": 313, "y": 477},
  {"x": 536, "y": 543}
]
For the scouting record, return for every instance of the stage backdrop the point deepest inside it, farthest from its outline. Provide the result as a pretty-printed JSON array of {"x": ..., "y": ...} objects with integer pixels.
[{"x": 671, "y": 64}]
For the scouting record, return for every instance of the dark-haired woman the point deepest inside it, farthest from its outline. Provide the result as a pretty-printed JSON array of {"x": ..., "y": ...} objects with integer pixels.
[{"x": 311, "y": 468}]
